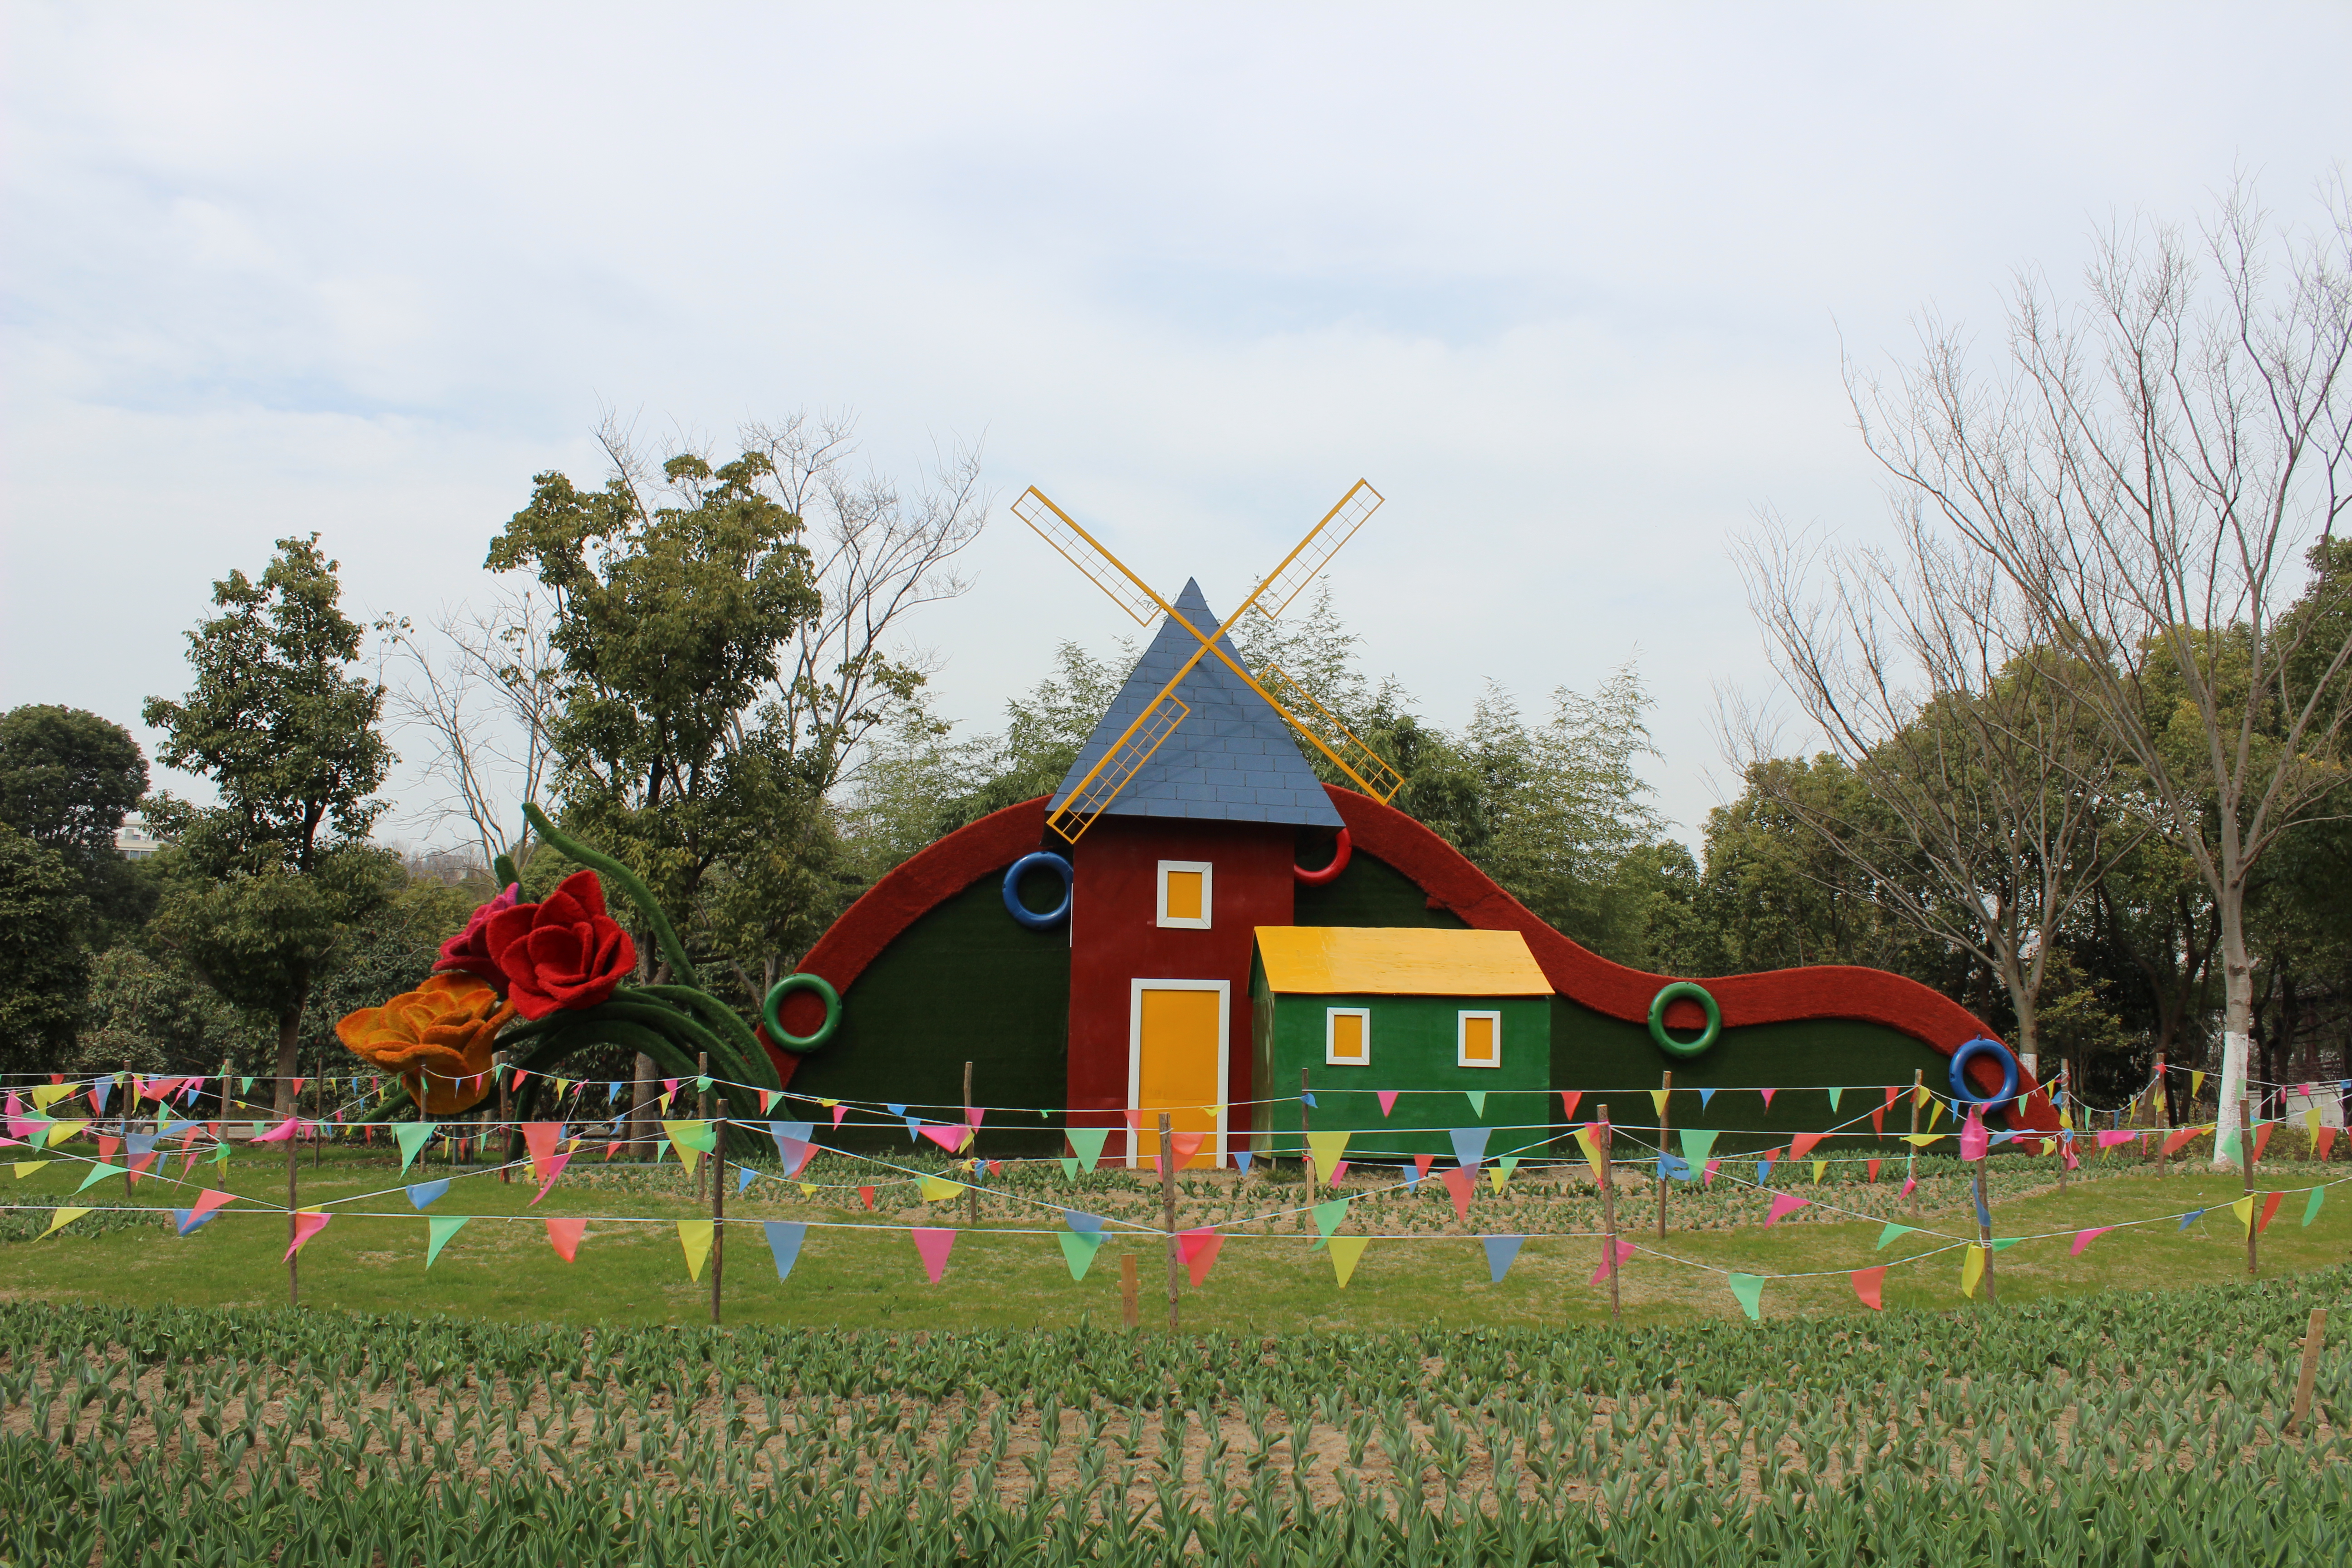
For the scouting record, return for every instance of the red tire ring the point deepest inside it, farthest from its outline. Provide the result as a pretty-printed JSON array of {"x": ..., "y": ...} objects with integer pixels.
[{"x": 1339, "y": 864}]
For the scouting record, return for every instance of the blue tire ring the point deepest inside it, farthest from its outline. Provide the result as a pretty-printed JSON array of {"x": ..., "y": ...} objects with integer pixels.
[
  {"x": 1674, "y": 993},
  {"x": 1044, "y": 859},
  {"x": 1969, "y": 1052},
  {"x": 774, "y": 1006}
]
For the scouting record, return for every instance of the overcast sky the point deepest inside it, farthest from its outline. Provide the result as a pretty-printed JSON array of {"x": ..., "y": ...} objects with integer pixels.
[{"x": 1569, "y": 285}]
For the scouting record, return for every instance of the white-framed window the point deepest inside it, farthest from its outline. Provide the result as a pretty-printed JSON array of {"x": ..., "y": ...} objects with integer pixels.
[
  {"x": 1477, "y": 1039},
  {"x": 1186, "y": 890},
  {"x": 1348, "y": 1037}
]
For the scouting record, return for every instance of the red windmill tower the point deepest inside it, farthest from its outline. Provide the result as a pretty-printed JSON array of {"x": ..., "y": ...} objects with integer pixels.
[{"x": 1184, "y": 813}]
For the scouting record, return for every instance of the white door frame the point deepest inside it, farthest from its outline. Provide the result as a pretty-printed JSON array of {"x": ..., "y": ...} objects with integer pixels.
[{"x": 1225, "y": 990}]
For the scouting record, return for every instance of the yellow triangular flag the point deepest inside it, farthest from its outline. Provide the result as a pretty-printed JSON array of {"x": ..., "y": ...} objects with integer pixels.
[
  {"x": 2245, "y": 1209},
  {"x": 48, "y": 1094},
  {"x": 1921, "y": 1140},
  {"x": 1658, "y": 1099},
  {"x": 26, "y": 1167},
  {"x": 1327, "y": 1148},
  {"x": 1920, "y": 1096},
  {"x": 694, "y": 1234},
  {"x": 2067, "y": 1119},
  {"x": 808, "y": 1189},
  {"x": 828, "y": 1104},
  {"x": 65, "y": 1218},
  {"x": 938, "y": 1190},
  {"x": 2196, "y": 1084},
  {"x": 1935, "y": 1113},
  {"x": 1497, "y": 1176},
  {"x": 2311, "y": 1120},
  {"x": 1592, "y": 1147},
  {"x": 61, "y": 1131},
  {"x": 1345, "y": 1250},
  {"x": 1973, "y": 1267},
  {"x": 1819, "y": 1166}
]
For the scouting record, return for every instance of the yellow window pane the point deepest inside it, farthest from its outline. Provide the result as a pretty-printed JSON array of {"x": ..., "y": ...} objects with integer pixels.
[
  {"x": 1477, "y": 1039},
  {"x": 1183, "y": 895},
  {"x": 1348, "y": 1037}
]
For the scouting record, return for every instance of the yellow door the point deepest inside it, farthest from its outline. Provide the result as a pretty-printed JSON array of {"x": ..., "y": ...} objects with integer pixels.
[{"x": 1176, "y": 1068}]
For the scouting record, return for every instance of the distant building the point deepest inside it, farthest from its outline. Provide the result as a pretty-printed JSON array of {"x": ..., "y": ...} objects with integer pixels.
[{"x": 133, "y": 842}]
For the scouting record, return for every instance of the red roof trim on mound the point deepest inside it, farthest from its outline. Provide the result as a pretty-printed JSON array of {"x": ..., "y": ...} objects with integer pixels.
[
  {"x": 910, "y": 891},
  {"x": 1824, "y": 991}
]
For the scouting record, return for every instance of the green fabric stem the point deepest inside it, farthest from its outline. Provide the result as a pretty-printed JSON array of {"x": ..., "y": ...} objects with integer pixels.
[
  {"x": 592, "y": 1030},
  {"x": 729, "y": 1022},
  {"x": 684, "y": 1029},
  {"x": 673, "y": 952}
]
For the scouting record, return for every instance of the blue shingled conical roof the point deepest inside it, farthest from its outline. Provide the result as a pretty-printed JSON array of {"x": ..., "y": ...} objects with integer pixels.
[{"x": 1234, "y": 758}]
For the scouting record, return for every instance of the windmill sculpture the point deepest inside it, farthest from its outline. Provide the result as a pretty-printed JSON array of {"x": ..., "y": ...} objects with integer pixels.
[{"x": 1314, "y": 722}]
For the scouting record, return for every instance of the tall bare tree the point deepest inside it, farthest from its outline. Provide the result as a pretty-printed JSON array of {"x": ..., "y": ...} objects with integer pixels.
[
  {"x": 1987, "y": 809},
  {"x": 2149, "y": 471}
]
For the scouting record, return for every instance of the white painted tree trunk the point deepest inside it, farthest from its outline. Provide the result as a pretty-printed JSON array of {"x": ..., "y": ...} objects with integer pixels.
[{"x": 2235, "y": 1051}]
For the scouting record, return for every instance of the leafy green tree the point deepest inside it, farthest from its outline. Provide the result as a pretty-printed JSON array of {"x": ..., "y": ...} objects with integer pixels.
[
  {"x": 43, "y": 965},
  {"x": 260, "y": 889},
  {"x": 68, "y": 780}
]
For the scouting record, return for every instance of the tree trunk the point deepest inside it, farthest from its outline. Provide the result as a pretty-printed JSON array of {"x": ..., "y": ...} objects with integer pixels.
[
  {"x": 643, "y": 1116},
  {"x": 2237, "y": 1023},
  {"x": 290, "y": 1042}
]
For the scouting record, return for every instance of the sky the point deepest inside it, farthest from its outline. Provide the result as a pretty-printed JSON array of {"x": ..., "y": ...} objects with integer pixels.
[{"x": 1569, "y": 285}]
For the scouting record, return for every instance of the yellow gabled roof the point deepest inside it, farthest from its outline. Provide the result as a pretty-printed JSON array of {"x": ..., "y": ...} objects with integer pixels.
[{"x": 1399, "y": 961}]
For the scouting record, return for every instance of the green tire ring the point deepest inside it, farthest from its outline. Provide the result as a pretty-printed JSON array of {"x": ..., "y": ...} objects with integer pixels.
[
  {"x": 1674, "y": 993},
  {"x": 790, "y": 982}
]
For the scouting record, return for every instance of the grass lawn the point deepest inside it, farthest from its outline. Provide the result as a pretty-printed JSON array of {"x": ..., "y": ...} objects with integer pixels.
[{"x": 500, "y": 1267}]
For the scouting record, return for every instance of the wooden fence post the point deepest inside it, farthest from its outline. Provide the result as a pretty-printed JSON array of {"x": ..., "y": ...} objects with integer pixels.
[
  {"x": 2315, "y": 1334},
  {"x": 1608, "y": 1212},
  {"x": 717, "y": 1164},
  {"x": 1984, "y": 1232},
  {"x": 293, "y": 1212},
  {"x": 1168, "y": 1215},
  {"x": 1665, "y": 1120}
]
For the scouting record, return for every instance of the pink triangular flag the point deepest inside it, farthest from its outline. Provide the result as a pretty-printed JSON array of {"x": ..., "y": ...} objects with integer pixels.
[
  {"x": 1783, "y": 1206},
  {"x": 208, "y": 1200},
  {"x": 541, "y": 1137},
  {"x": 1459, "y": 1182},
  {"x": 866, "y": 1196},
  {"x": 1709, "y": 1180},
  {"x": 563, "y": 1234},
  {"x": 949, "y": 1138},
  {"x": 1867, "y": 1284},
  {"x": 547, "y": 1181},
  {"x": 1910, "y": 1185},
  {"x": 1802, "y": 1144},
  {"x": 767, "y": 1099},
  {"x": 298, "y": 1085},
  {"x": 934, "y": 1245},
  {"x": 305, "y": 1226},
  {"x": 278, "y": 1134},
  {"x": 1338, "y": 1169},
  {"x": 107, "y": 1146},
  {"x": 1188, "y": 1144},
  {"x": 1134, "y": 1120},
  {"x": 1768, "y": 1096},
  {"x": 1387, "y": 1097},
  {"x": 838, "y": 1112},
  {"x": 1200, "y": 1247},
  {"x": 1421, "y": 1165},
  {"x": 669, "y": 1086},
  {"x": 1567, "y": 1098},
  {"x": 2083, "y": 1238},
  {"x": 973, "y": 1113},
  {"x": 1600, "y": 1275},
  {"x": 1973, "y": 1138}
]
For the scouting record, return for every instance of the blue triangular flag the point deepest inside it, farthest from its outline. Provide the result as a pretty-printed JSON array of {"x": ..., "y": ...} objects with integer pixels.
[
  {"x": 2192, "y": 1218},
  {"x": 139, "y": 1143},
  {"x": 612, "y": 1093},
  {"x": 105, "y": 1088},
  {"x": 1501, "y": 1250},
  {"x": 914, "y": 1124},
  {"x": 1242, "y": 1160},
  {"x": 1673, "y": 1168},
  {"x": 1704, "y": 1096},
  {"x": 743, "y": 1174},
  {"x": 423, "y": 1194},
  {"x": 784, "y": 1238},
  {"x": 1763, "y": 1171},
  {"x": 1080, "y": 1220},
  {"x": 1411, "y": 1177},
  {"x": 1306, "y": 1100},
  {"x": 1469, "y": 1145},
  {"x": 185, "y": 1225}
]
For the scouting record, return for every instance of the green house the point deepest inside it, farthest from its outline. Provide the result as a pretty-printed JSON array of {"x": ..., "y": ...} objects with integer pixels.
[{"x": 1455, "y": 1024}]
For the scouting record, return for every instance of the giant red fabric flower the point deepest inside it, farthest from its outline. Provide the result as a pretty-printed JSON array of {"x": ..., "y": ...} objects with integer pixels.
[
  {"x": 468, "y": 952},
  {"x": 563, "y": 953}
]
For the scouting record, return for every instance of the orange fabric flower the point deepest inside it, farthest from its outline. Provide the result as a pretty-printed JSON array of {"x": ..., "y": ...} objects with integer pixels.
[{"x": 437, "y": 1038}]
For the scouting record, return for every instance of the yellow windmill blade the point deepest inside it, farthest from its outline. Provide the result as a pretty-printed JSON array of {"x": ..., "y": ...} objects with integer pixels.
[
  {"x": 1312, "y": 553},
  {"x": 1122, "y": 762},
  {"x": 1083, "y": 551},
  {"x": 1366, "y": 767}
]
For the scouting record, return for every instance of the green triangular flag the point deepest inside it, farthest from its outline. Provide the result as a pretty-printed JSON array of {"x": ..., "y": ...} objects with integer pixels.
[
  {"x": 1748, "y": 1290},
  {"x": 2225, "y": 1148},
  {"x": 1089, "y": 1143},
  {"x": 438, "y": 1230},
  {"x": 1070, "y": 1166},
  {"x": 1833, "y": 1099},
  {"x": 1327, "y": 1216},
  {"x": 1890, "y": 1233},
  {"x": 702, "y": 1086},
  {"x": 1478, "y": 1101},
  {"x": 411, "y": 1136},
  {"x": 1078, "y": 1247},
  {"x": 2002, "y": 1244},
  {"x": 2311, "y": 1209},
  {"x": 98, "y": 1173},
  {"x": 248, "y": 1087},
  {"x": 1698, "y": 1144}
]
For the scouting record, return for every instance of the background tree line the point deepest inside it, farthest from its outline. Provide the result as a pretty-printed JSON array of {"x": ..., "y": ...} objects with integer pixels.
[{"x": 2072, "y": 747}]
